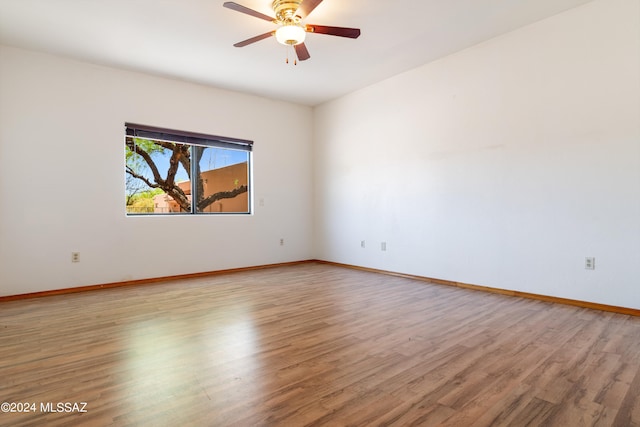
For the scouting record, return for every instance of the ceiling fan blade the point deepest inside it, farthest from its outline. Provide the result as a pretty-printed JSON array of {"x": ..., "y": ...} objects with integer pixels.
[
  {"x": 302, "y": 52},
  {"x": 352, "y": 33},
  {"x": 254, "y": 39},
  {"x": 307, "y": 7},
  {"x": 239, "y": 8}
]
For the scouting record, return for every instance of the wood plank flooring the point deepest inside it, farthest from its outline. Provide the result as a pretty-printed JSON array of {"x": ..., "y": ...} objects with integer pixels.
[{"x": 316, "y": 345}]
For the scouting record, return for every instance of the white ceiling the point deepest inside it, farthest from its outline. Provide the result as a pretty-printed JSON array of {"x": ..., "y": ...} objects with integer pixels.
[{"x": 193, "y": 39}]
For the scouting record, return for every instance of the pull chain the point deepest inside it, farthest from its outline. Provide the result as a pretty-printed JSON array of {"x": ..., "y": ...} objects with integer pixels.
[{"x": 295, "y": 59}]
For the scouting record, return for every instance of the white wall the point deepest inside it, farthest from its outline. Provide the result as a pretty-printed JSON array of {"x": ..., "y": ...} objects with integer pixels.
[
  {"x": 504, "y": 165},
  {"x": 62, "y": 177}
]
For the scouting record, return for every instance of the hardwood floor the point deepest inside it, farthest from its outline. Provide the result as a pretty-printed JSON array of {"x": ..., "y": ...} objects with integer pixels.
[{"x": 315, "y": 345}]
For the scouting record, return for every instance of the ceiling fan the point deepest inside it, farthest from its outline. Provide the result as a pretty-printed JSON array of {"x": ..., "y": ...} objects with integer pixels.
[{"x": 291, "y": 30}]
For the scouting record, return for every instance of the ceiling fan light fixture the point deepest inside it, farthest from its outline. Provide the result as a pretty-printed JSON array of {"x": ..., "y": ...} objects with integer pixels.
[{"x": 290, "y": 34}]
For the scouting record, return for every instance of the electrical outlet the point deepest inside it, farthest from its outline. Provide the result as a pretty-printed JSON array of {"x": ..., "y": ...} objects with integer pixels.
[
  {"x": 383, "y": 246},
  {"x": 590, "y": 263},
  {"x": 75, "y": 256},
  {"x": 362, "y": 245},
  {"x": 281, "y": 242}
]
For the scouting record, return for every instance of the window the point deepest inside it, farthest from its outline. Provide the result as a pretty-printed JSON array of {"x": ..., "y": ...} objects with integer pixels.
[{"x": 160, "y": 166}]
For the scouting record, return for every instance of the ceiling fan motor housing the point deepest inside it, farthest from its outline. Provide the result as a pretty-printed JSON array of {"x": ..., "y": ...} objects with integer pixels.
[{"x": 285, "y": 10}]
